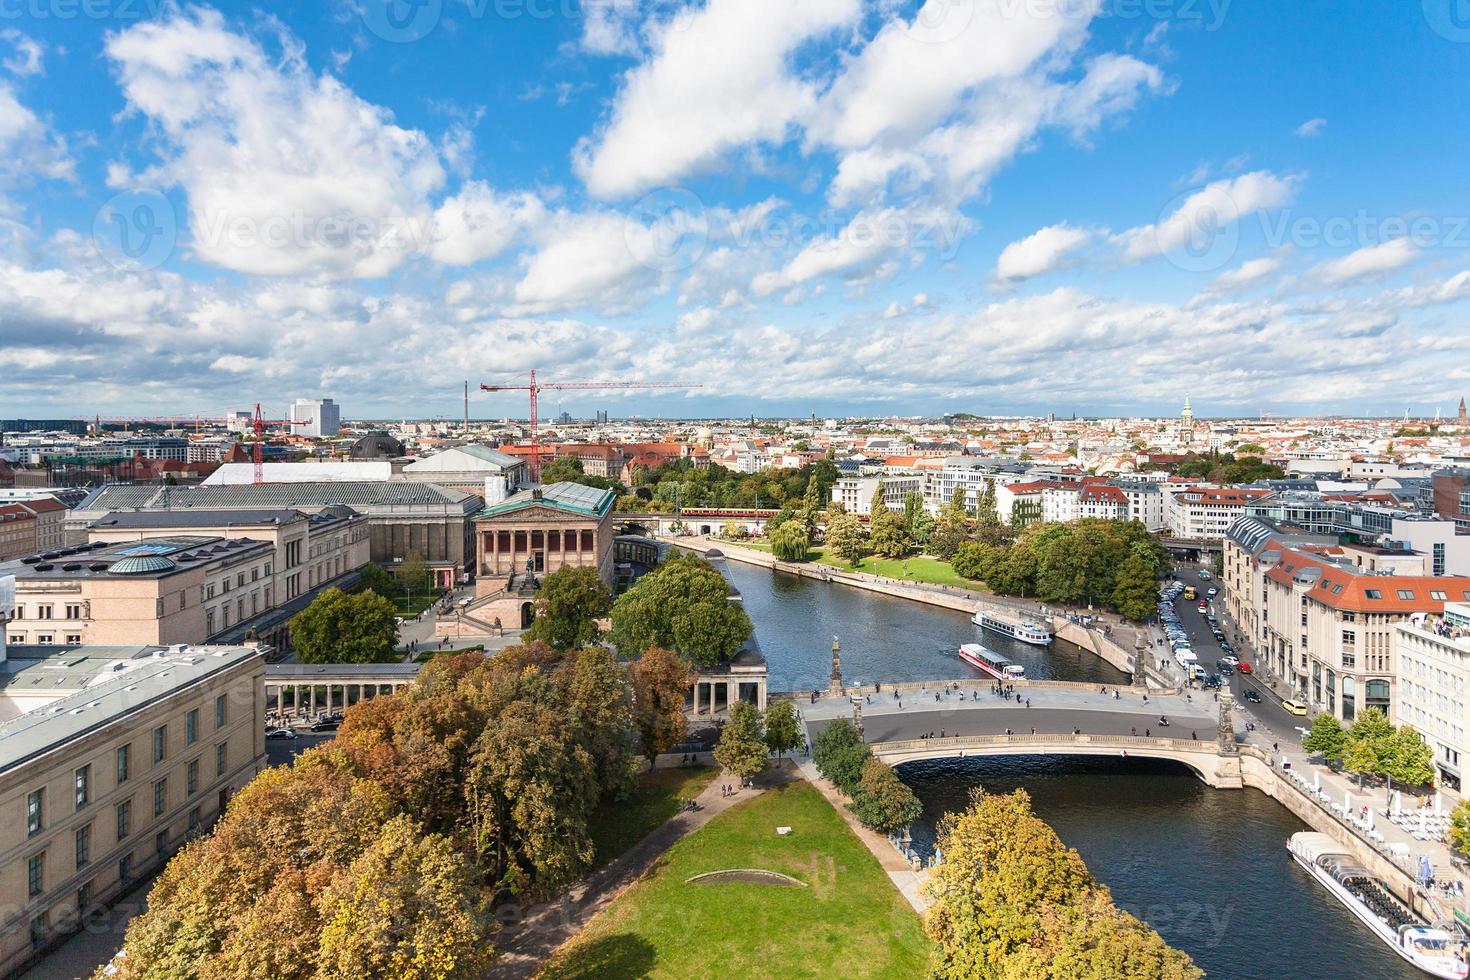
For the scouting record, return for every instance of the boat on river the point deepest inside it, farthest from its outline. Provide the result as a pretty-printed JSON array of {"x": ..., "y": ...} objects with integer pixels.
[
  {"x": 990, "y": 662},
  {"x": 1025, "y": 630},
  {"x": 1431, "y": 950}
]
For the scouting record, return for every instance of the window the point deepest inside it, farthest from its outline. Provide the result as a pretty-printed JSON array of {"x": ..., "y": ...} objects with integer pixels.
[
  {"x": 221, "y": 756},
  {"x": 1349, "y": 638},
  {"x": 220, "y": 712},
  {"x": 73, "y": 610},
  {"x": 160, "y": 797},
  {"x": 84, "y": 898},
  {"x": 73, "y": 638},
  {"x": 84, "y": 846},
  {"x": 38, "y": 930},
  {"x": 196, "y": 817},
  {"x": 191, "y": 727},
  {"x": 84, "y": 785},
  {"x": 35, "y": 811},
  {"x": 160, "y": 743},
  {"x": 1437, "y": 595},
  {"x": 191, "y": 777},
  {"x": 123, "y": 753},
  {"x": 124, "y": 819},
  {"x": 1373, "y": 593},
  {"x": 43, "y": 612},
  {"x": 125, "y": 868},
  {"x": 36, "y": 874},
  {"x": 1406, "y": 593},
  {"x": 160, "y": 842}
]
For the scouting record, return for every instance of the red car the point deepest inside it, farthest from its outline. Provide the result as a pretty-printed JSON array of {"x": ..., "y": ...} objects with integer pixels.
[
  {"x": 1204, "y": 607},
  {"x": 1243, "y": 667}
]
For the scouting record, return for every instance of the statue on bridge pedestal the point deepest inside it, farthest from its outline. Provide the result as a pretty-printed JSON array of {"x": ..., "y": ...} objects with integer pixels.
[
  {"x": 1226, "y": 731},
  {"x": 834, "y": 686}
]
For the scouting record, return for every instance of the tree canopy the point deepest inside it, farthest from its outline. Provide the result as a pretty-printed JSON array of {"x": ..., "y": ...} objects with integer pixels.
[
  {"x": 338, "y": 628},
  {"x": 789, "y": 541},
  {"x": 742, "y": 745},
  {"x": 682, "y": 604},
  {"x": 783, "y": 728},
  {"x": 569, "y": 604}
]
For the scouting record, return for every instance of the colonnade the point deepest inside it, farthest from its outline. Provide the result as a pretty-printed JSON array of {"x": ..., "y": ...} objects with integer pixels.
[{"x": 307, "y": 700}]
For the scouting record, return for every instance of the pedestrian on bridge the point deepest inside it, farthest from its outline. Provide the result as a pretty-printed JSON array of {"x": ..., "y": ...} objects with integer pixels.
[{"x": 1028, "y": 702}]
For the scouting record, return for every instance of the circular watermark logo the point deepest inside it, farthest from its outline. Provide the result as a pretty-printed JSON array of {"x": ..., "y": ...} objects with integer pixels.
[
  {"x": 136, "y": 229},
  {"x": 401, "y": 21},
  {"x": 1198, "y": 230},
  {"x": 940, "y": 21},
  {"x": 1450, "y": 19},
  {"x": 668, "y": 229}
]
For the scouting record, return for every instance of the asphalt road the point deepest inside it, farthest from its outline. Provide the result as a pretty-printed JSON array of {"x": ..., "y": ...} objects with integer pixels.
[
  {"x": 280, "y": 751},
  {"x": 1268, "y": 713},
  {"x": 1046, "y": 721}
]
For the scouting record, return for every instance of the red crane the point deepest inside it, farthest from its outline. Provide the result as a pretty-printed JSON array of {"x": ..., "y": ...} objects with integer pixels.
[
  {"x": 536, "y": 387},
  {"x": 259, "y": 425}
]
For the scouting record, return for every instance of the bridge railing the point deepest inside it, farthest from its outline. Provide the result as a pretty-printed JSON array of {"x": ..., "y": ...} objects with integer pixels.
[{"x": 963, "y": 742}]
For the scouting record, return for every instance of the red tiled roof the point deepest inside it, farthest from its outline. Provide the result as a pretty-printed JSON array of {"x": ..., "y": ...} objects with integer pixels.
[{"x": 1343, "y": 588}]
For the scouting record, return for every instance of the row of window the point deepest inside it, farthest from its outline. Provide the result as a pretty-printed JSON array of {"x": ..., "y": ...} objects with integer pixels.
[{"x": 82, "y": 777}]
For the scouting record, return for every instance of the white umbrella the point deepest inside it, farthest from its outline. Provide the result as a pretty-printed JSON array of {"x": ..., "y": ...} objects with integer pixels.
[
  {"x": 1398, "y": 802},
  {"x": 1370, "y": 818},
  {"x": 1436, "y": 803},
  {"x": 1316, "y": 778}
]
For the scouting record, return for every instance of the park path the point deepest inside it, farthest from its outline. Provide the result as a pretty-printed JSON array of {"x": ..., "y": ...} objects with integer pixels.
[
  {"x": 908, "y": 881},
  {"x": 525, "y": 945}
]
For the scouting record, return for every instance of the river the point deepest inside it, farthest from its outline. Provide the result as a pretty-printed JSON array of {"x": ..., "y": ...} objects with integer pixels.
[{"x": 1207, "y": 868}]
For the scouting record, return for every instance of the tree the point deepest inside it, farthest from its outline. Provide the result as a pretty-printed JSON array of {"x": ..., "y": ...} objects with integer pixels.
[
  {"x": 682, "y": 604},
  {"x": 1460, "y": 826},
  {"x": 918, "y": 520},
  {"x": 660, "y": 684},
  {"x": 1360, "y": 756},
  {"x": 568, "y": 605},
  {"x": 600, "y": 713},
  {"x": 1135, "y": 591},
  {"x": 373, "y": 578},
  {"x": 783, "y": 729},
  {"x": 414, "y": 577},
  {"x": 562, "y": 469},
  {"x": 890, "y": 537},
  {"x": 882, "y": 800},
  {"x": 1327, "y": 737},
  {"x": 879, "y": 503},
  {"x": 839, "y": 753},
  {"x": 338, "y": 628},
  {"x": 1408, "y": 759},
  {"x": 846, "y": 538},
  {"x": 742, "y": 745},
  {"x": 952, "y": 527},
  {"x": 789, "y": 541}
]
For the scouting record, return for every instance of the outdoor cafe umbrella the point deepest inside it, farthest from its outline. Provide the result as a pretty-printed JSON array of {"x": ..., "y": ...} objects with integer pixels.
[{"x": 1425, "y": 871}]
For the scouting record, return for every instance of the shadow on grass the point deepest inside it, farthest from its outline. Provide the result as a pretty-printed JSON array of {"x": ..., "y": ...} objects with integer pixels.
[{"x": 614, "y": 957}]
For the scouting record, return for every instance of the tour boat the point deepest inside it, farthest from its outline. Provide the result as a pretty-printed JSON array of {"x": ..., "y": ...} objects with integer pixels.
[
  {"x": 990, "y": 662},
  {"x": 1025, "y": 630},
  {"x": 1429, "y": 949}
]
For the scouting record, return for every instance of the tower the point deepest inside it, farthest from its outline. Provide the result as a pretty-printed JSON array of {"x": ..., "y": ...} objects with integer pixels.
[
  {"x": 1462, "y": 416},
  {"x": 834, "y": 686}
]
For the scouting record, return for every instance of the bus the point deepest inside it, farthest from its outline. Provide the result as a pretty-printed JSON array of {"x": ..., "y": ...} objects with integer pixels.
[{"x": 1190, "y": 593}]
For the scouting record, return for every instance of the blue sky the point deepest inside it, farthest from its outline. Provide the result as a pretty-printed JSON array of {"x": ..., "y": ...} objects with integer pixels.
[{"x": 838, "y": 206}]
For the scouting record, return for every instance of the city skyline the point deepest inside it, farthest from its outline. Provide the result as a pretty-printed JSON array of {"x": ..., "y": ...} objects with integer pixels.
[{"x": 839, "y": 207}]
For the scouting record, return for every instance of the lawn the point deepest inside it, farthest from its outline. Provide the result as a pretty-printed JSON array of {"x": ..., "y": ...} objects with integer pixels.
[
  {"x": 915, "y": 568},
  {"x": 658, "y": 796},
  {"x": 849, "y": 922}
]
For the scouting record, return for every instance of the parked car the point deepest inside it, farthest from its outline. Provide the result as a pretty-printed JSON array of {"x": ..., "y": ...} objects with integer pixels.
[
  {"x": 1212, "y": 593},
  {"x": 1225, "y": 645},
  {"x": 1224, "y": 667},
  {"x": 1243, "y": 667},
  {"x": 280, "y": 733},
  {"x": 1204, "y": 573},
  {"x": 1295, "y": 707},
  {"x": 1204, "y": 607},
  {"x": 1251, "y": 696},
  {"x": 326, "y": 725},
  {"x": 1232, "y": 660}
]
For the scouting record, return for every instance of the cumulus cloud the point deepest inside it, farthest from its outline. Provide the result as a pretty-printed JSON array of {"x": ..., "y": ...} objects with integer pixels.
[
  {"x": 1045, "y": 250},
  {"x": 477, "y": 223},
  {"x": 720, "y": 77},
  {"x": 1371, "y": 262},
  {"x": 1204, "y": 214},
  {"x": 27, "y": 59}
]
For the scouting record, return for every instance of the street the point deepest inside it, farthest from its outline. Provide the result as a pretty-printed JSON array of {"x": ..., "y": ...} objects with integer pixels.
[{"x": 895, "y": 727}]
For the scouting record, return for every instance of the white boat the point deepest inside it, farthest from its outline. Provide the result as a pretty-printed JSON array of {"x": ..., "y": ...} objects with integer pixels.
[
  {"x": 1429, "y": 949},
  {"x": 1025, "y": 630},
  {"x": 990, "y": 662}
]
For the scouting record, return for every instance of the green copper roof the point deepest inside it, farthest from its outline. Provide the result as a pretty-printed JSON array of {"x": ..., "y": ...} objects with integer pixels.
[{"x": 570, "y": 497}]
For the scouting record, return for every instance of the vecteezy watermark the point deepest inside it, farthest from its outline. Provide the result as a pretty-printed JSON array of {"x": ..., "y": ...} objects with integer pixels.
[
  {"x": 43, "y": 10},
  {"x": 668, "y": 229},
  {"x": 136, "y": 229},
  {"x": 1450, "y": 19},
  {"x": 1205, "y": 924},
  {"x": 1198, "y": 230},
  {"x": 1208, "y": 13},
  {"x": 941, "y": 21},
  {"x": 404, "y": 21}
]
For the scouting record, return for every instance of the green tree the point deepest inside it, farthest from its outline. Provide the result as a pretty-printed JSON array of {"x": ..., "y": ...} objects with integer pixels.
[
  {"x": 951, "y": 529},
  {"x": 1360, "y": 756},
  {"x": 1135, "y": 591},
  {"x": 599, "y": 710},
  {"x": 414, "y": 576},
  {"x": 882, "y": 801},
  {"x": 789, "y": 542},
  {"x": 846, "y": 538},
  {"x": 338, "y": 628},
  {"x": 915, "y": 517},
  {"x": 709, "y": 633},
  {"x": 1408, "y": 760},
  {"x": 890, "y": 535},
  {"x": 839, "y": 753},
  {"x": 783, "y": 728},
  {"x": 879, "y": 502},
  {"x": 742, "y": 745},
  {"x": 661, "y": 681},
  {"x": 569, "y": 604},
  {"x": 562, "y": 469},
  {"x": 1460, "y": 826},
  {"x": 373, "y": 578},
  {"x": 1327, "y": 737},
  {"x": 682, "y": 604}
]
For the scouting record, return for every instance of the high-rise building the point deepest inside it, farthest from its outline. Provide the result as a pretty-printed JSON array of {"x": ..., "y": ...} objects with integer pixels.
[{"x": 323, "y": 417}]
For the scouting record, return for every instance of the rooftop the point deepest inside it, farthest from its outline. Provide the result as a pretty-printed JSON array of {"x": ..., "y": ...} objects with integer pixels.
[
  {"x": 574, "y": 498},
  {"x": 154, "y": 558},
  {"x": 275, "y": 496}
]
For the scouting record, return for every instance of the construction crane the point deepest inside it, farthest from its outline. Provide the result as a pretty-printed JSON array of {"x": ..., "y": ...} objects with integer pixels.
[
  {"x": 258, "y": 424},
  {"x": 536, "y": 387}
]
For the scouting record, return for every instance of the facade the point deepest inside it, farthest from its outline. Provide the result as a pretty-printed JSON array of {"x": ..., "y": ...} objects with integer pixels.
[
  {"x": 50, "y": 522},
  {"x": 17, "y": 531},
  {"x": 469, "y": 469},
  {"x": 111, "y": 758},
  {"x": 322, "y": 417},
  {"x": 532, "y": 533},
  {"x": 1433, "y": 656},
  {"x": 1206, "y": 513},
  {"x": 855, "y": 493},
  {"x": 1019, "y": 504}
]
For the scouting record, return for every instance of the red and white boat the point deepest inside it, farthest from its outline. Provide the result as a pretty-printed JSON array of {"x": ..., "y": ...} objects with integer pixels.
[{"x": 990, "y": 662}]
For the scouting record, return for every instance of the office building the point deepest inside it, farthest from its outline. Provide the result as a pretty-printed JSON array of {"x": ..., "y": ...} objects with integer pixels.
[
  {"x": 1433, "y": 657},
  {"x": 322, "y": 417}
]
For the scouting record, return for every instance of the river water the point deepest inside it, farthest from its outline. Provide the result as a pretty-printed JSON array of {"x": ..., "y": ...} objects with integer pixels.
[{"x": 1207, "y": 868}]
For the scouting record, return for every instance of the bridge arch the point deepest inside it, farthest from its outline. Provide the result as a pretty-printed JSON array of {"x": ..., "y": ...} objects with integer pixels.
[{"x": 1204, "y": 759}]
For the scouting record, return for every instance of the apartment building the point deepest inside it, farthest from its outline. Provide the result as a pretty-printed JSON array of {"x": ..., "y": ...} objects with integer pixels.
[
  {"x": 1102, "y": 501},
  {"x": 50, "y": 516},
  {"x": 855, "y": 493},
  {"x": 17, "y": 531},
  {"x": 1060, "y": 503},
  {"x": 1433, "y": 657},
  {"x": 111, "y": 758},
  {"x": 1206, "y": 513},
  {"x": 1019, "y": 504}
]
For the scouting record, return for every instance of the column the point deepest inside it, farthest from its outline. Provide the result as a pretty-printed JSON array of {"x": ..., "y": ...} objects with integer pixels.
[
  {"x": 760, "y": 693},
  {"x": 732, "y": 694},
  {"x": 696, "y": 699}
]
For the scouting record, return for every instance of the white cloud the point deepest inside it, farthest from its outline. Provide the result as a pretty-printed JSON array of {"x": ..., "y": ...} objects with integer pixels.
[
  {"x": 478, "y": 224},
  {"x": 720, "y": 77},
  {"x": 1248, "y": 273},
  {"x": 1311, "y": 128},
  {"x": 1045, "y": 250},
  {"x": 1370, "y": 262},
  {"x": 863, "y": 249},
  {"x": 584, "y": 259},
  {"x": 610, "y": 27},
  {"x": 1203, "y": 215},
  {"x": 29, "y": 52},
  {"x": 28, "y": 147},
  {"x": 286, "y": 172}
]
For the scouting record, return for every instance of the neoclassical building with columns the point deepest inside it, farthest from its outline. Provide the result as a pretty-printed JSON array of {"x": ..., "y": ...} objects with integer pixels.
[{"x": 530, "y": 534}]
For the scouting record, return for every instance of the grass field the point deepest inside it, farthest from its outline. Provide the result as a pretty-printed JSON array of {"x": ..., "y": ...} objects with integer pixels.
[
  {"x": 849, "y": 922},
  {"x": 915, "y": 568},
  {"x": 658, "y": 796}
]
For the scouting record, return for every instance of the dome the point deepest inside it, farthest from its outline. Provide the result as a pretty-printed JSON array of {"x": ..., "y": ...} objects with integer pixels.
[
  {"x": 376, "y": 445},
  {"x": 142, "y": 565}
]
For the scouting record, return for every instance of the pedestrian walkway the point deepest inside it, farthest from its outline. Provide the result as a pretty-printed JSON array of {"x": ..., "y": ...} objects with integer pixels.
[{"x": 525, "y": 944}]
